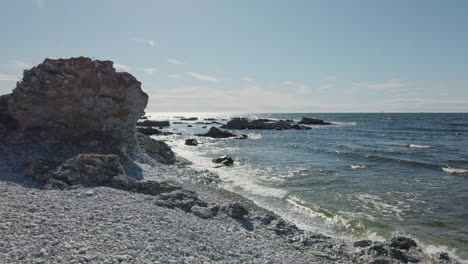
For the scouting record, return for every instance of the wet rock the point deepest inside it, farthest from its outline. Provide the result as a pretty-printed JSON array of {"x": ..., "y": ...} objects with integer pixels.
[
  {"x": 148, "y": 131},
  {"x": 377, "y": 250},
  {"x": 189, "y": 119},
  {"x": 209, "y": 119},
  {"x": 362, "y": 243},
  {"x": 284, "y": 228},
  {"x": 236, "y": 210},
  {"x": 79, "y": 99},
  {"x": 189, "y": 126},
  {"x": 156, "y": 148},
  {"x": 143, "y": 117},
  {"x": 243, "y": 136},
  {"x": 313, "y": 121},
  {"x": 191, "y": 142},
  {"x": 217, "y": 133},
  {"x": 153, "y": 123},
  {"x": 383, "y": 261},
  {"x": 225, "y": 160},
  {"x": 403, "y": 243}
]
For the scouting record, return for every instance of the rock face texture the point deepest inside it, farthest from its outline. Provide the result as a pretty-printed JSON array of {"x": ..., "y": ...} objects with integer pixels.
[
  {"x": 79, "y": 99},
  {"x": 6, "y": 120},
  {"x": 263, "y": 124}
]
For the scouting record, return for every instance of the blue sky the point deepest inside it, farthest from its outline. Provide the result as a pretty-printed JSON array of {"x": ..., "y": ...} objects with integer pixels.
[{"x": 261, "y": 56}]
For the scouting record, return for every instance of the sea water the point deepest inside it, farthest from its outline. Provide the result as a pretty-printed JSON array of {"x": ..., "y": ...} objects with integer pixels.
[{"x": 365, "y": 176}]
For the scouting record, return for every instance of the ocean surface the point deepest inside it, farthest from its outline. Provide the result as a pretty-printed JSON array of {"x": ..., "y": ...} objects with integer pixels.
[{"x": 365, "y": 176}]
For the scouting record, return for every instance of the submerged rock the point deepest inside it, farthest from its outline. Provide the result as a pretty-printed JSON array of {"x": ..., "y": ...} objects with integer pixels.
[
  {"x": 191, "y": 142},
  {"x": 79, "y": 99},
  {"x": 153, "y": 123},
  {"x": 217, "y": 133},
  {"x": 313, "y": 121}
]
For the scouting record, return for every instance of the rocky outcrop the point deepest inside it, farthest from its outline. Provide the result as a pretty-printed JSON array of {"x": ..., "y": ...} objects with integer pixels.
[
  {"x": 7, "y": 122},
  {"x": 80, "y": 100},
  {"x": 262, "y": 124},
  {"x": 149, "y": 131},
  {"x": 156, "y": 149},
  {"x": 189, "y": 119},
  {"x": 224, "y": 160},
  {"x": 217, "y": 133},
  {"x": 313, "y": 121},
  {"x": 153, "y": 123}
]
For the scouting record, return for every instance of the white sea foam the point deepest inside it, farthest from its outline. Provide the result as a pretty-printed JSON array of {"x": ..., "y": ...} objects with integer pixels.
[
  {"x": 418, "y": 146},
  {"x": 344, "y": 123},
  {"x": 357, "y": 166},
  {"x": 455, "y": 171}
]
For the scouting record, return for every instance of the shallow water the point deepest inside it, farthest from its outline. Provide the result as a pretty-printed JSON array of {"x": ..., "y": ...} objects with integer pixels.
[{"x": 368, "y": 175}]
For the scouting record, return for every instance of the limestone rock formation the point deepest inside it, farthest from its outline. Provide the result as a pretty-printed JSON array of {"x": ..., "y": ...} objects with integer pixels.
[{"x": 79, "y": 99}]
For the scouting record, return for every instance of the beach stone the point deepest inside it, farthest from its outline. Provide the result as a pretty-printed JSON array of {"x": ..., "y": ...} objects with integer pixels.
[
  {"x": 236, "y": 210},
  {"x": 191, "y": 142},
  {"x": 79, "y": 99},
  {"x": 153, "y": 123},
  {"x": 403, "y": 243},
  {"x": 313, "y": 121},
  {"x": 202, "y": 212},
  {"x": 217, "y": 133},
  {"x": 183, "y": 199}
]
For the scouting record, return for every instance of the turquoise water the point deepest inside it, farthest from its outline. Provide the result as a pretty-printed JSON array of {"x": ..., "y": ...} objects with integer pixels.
[{"x": 368, "y": 175}]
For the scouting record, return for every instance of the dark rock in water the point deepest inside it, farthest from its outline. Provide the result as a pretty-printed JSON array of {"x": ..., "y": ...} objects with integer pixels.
[
  {"x": 153, "y": 123},
  {"x": 217, "y": 133},
  {"x": 403, "y": 243},
  {"x": 209, "y": 119},
  {"x": 7, "y": 122},
  {"x": 157, "y": 149},
  {"x": 225, "y": 160},
  {"x": 236, "y": 210},
  {"x": 79, "y": 99},
  {"x": 313, "y": 121},
  {"x": 362, "y": 243},
  {"x": 148, "y": 131},
  {"x": 242, "y": 136},
  {"x": 203, "y": 127},
  {"x": 191, "y": 142},
  {"x": 263, "y": 124},
  {"x": 143, "y": 117},
  {"x": 443, "y": 256},
  {"x": 378, "y": 250},
  {"x": 189, "y": 126},
  {"x": 189, "y": 119}
]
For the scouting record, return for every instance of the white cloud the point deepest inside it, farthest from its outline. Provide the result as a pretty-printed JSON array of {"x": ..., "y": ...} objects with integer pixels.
[
  {"x": 202, "y": 77},
  {"x": 388, "y": 85},
  {"x": 121, "y": 67},
  {"x": 148, "y": 42},
  {"x": 299, "y": 87},
  {"x": 325, "y": 87},
  {"x": 21, "y": 65},
  {"x": 173, "y": 76},
  {"x": 174, "y": 61},
  {"x": 149, "y": 70},
  {"x": 40, "y": 4},
  {"x": 8, "y": 77}
]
